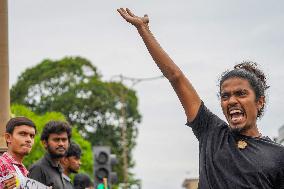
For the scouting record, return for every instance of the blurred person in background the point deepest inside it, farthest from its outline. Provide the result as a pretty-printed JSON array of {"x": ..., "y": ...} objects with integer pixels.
[
  {"x": 83, "y": 181},
  {"x": 71, "y": 163}
]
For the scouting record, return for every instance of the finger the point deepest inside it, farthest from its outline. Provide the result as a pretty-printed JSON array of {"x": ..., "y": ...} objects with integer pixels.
[
  {"x": 146, "y": 18},
  {"x": 129, "y": 12},
  {"x": 120, "y": 10},
  {"x": 123, "y": 13},
  {"x": 11, "y": 181},
  {"x": 10, "y": 185},
  {"x": 126, "y": 16}
]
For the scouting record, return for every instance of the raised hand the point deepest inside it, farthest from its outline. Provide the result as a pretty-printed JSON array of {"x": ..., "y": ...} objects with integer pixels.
[
  {"x": 185, "y": 91},
  {"x": 136, "y": 21}
]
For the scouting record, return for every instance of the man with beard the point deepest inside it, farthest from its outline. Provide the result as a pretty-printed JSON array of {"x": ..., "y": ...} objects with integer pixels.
[
  {"x": 233, "y": 154},
  {"x": 55, "y": 138},
  {"x": 19, "y": 136},
  {"x": 71, "y": 163}
]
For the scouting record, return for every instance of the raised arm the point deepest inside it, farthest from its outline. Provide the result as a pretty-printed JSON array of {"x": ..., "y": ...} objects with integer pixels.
[{"x": 183, "y": 88}]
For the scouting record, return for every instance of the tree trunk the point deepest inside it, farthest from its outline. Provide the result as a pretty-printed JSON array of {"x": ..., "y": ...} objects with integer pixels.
[{"x": 4, "y": 73}]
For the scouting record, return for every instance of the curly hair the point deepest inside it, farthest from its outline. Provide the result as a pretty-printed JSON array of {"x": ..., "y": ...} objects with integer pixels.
[
  {"x": 56, "y": 127},
  {"x": 74, "y": 150},
  {"x": 249, "y": 71}
]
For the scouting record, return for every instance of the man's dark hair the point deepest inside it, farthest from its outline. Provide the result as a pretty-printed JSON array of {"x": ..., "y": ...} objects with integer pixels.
[
  {"x": 55, "y": 127},
  {"x": 74, "y": 150},
  {"x": 82, "y": 181},
  {"x": 249, "y": 71},
  {"x": 18, "y": 121}
]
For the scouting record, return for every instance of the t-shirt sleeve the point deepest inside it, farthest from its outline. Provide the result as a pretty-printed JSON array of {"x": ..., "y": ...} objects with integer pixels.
[{"x": 204, "y": 121}]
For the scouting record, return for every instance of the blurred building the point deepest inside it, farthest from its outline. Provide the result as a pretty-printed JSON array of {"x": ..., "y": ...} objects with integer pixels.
[
  {"x": 190, "y": 183},
  {"x": 280, "y": 138}
]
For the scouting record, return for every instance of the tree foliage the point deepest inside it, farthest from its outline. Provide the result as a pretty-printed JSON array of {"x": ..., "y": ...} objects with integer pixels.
[
  {"x": 38, "y": 150},
  {"x": 74, "y": 87}
]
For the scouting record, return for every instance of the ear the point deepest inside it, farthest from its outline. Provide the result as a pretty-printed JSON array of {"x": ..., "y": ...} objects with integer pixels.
[
  {"x": 260, "y": 103},
  {"x": 63, "y": 160},
  {"x": 44, "y": 143},
  {"x": 8, "y": 137}
]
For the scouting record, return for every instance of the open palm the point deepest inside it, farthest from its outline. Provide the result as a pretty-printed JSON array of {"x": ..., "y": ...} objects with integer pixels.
[{"x": 133, "y": 19}]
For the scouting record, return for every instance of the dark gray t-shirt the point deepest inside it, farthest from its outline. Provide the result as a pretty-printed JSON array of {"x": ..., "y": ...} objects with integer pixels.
[
  {"x": 67, "y": 182},
  {"x": 48, "y": 173},
  {"x": 260, "y": 165}
]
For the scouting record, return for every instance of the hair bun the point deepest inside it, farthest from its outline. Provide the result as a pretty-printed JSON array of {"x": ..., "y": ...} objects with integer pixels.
[{"x": 252, "y": 67}]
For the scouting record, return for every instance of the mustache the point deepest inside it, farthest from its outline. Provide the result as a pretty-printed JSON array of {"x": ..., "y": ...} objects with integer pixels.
[
  {"x": 54, "y": 153},
  {"x": 60, "y": 148}
]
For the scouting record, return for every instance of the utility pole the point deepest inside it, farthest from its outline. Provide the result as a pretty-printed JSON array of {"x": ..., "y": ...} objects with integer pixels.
[
  {"x": 122, "y": 96},
  {"x": 124, "y": 138},
  {"x": 4, "y": 73}
]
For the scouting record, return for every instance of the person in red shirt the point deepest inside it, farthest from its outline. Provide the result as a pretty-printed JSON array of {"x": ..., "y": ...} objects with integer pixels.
[{"x": 19, "y": 136}]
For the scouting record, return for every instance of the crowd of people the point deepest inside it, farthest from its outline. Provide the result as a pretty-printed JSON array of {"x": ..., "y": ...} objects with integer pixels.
[{"x": 62, "y": 156}]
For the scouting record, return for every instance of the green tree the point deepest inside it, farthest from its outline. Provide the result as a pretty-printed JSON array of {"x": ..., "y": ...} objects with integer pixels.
[
  {"x": 38, "y": 150},
  {"x": 74, "y": 87}
]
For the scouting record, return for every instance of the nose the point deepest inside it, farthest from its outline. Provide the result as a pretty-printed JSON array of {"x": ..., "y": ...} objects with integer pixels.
[
  {"x": 29, "y": 139},
  {"x": 60, "y": 143},
  {"x": 232, "y": 100}
]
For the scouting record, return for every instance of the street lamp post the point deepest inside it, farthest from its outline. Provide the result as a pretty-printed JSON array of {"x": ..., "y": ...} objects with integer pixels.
[
  {"x": 4, "y": 73},
  {"x": 122, "y": 96},
  {"x": 124, "y": 139}
]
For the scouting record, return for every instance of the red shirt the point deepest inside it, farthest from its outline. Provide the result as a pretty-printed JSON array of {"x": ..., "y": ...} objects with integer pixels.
[{"x": 6, "y": 166}]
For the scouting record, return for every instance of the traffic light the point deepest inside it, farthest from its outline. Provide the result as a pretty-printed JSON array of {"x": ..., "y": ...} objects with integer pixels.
[{"x": 103, "y": 162}]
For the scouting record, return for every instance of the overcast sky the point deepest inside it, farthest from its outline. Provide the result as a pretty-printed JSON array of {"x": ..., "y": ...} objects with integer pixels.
[{"x": 203, "y": 37}]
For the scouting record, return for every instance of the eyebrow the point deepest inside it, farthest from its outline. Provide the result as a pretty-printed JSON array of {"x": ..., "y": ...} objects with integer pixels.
[
  {"x": 60, "y": 138},
  {"x": 237, "y": 90},
  {"x": 26, "y": 132}
]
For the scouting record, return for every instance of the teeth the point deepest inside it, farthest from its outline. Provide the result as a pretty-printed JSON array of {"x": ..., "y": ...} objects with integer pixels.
[{"x": 235, "y": 111}]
